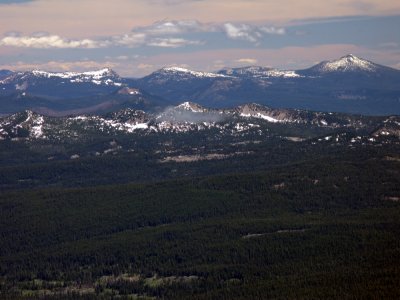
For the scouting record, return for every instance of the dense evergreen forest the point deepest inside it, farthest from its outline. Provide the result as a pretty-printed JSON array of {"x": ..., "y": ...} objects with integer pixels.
[
  {"x": 326, "y": 227},
  {"x": 274, "y": 211}
]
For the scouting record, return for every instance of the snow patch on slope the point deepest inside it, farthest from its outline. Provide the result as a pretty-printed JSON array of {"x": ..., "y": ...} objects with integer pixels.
[
  {"x": 261, "y": 116},
  {"x": 99, "y": 74},
  {"x": 260, "y": 72},
  {"x": 37, "y": 128},
  {"x": 125, "y": 126}
]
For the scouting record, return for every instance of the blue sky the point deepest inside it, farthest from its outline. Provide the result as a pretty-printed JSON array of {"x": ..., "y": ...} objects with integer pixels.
[{"x": 136, "y": 37}]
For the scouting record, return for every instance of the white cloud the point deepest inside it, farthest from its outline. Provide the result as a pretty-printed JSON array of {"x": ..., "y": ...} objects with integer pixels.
[
  {"x": 50, "y": 41},
  {"x": 247, "y": 61},
  {"x": 273, "y": 30},
  {"x": 172, "y": 27},
  {"x": 241, "y": 32},
  {"x": 250, "y": 32},
  {"x": 161, "y": 34},
  {"x": 130, "y": 40},
  {"x": 171, "y": 42},
  {"x": 166, "y": 34}
]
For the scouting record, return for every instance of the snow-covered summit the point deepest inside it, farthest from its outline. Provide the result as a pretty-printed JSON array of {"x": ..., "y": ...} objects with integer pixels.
[
  {"x": 104, "y": 76},
  {"x": 258, "y": 72},
  {"x": 98, "y": 74},
  {"x": 345, "y": 64},
  {"x": 183, "y": 71}
]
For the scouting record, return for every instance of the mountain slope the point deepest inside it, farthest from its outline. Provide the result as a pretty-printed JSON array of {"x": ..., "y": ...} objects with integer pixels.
[
  {"x": 347, "y": 64},
  {"x": 5, "y": 73}
]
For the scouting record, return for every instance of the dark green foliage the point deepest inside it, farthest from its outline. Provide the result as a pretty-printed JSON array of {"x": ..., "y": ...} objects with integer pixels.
[
  {"x": 271, "y": 218},
  {"x": 327, "y": 228}
]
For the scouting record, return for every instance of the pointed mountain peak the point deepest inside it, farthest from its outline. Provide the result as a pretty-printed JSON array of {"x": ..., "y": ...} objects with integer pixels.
[
  {"x": 191, "y": 106},
  {"x": 252, "y": 106},
  {"x": 101, "y": 72},
  {"x": 347, "y": 63},
  {"x": 350, "y": 57}
]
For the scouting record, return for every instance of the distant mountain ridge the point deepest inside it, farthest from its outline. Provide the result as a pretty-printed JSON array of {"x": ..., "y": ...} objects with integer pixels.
[
  {"x": 348, "y": 84},
  {"x": 183, "y": 118},
  {"x": 258, "y": 72},
  {"x": 101, "y": 74}
]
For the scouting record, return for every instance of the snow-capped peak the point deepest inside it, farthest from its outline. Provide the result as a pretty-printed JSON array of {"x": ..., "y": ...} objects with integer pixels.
[
  {"x": 190, "y": 106},
  {"x": 347, "y": 63},
  {"x": 178, "y": 70}
]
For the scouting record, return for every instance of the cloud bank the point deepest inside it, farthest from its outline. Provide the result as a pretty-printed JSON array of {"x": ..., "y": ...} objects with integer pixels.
[
  {"x": 130, "y": 40},
  {"x": 50, "y": 41},
  {"x": 165, "y": 34}
]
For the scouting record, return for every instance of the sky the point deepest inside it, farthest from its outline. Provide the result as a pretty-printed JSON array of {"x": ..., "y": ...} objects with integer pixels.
[{"x": 137, "y": 37}]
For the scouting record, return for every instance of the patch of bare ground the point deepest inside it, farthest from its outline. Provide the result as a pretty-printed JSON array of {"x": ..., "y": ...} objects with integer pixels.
[
  {"x": 122, "y": 277},
  {"x": 394, "y": 199},
  {"x": 157, "y": 281},
  {"x": 295, "y": 139},
  {"x": 198, "y": 157},
  {"x": 279, "y": 186},
  {"x": 391, "y": 158},
  {"x": 255, "y": 235}
]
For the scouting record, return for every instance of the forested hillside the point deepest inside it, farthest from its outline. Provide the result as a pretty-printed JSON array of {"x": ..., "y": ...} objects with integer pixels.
[{"x": 316, "y": 229}]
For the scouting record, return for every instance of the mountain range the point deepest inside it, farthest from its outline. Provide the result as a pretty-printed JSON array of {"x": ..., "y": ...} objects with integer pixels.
[
  {"x": 349, "y": 84},
  {"x": 186, "y": 118}
]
